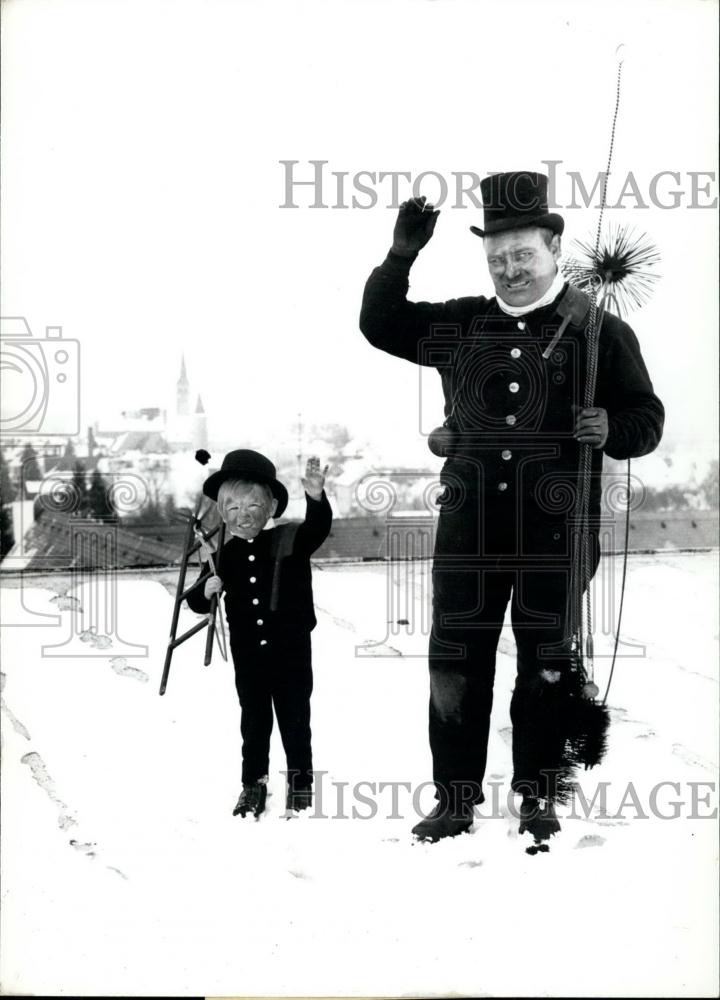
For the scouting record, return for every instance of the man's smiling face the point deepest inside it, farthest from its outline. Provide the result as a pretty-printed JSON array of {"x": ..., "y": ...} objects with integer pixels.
[{"x": 522, "y": 263}]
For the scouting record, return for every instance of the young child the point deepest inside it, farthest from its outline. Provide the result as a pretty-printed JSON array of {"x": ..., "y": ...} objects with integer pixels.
[{"x": 267, "y": 582}]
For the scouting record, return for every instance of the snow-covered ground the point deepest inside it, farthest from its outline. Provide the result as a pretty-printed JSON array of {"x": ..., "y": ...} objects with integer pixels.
[{"x": 123, "y": 871}]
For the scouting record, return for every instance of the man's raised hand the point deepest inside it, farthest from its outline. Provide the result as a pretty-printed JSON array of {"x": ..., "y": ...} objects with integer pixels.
[
  {"x": 414, "y": 227},
  {"x": 314, "y": 481}
]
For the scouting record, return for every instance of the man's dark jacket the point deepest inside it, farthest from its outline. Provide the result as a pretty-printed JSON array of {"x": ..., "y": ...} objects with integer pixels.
[{"x": 512, "y": 410}]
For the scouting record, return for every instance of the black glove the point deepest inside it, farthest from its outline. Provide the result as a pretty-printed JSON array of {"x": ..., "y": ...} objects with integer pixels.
[{"x": 414, "y": 227}]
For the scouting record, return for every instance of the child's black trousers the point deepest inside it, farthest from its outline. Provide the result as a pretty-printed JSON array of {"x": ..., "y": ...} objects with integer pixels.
[{"x": 277, "y": 675}]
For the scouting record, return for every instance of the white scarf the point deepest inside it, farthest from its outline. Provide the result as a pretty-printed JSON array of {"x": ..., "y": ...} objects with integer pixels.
[{"x": 550, "y": 295}]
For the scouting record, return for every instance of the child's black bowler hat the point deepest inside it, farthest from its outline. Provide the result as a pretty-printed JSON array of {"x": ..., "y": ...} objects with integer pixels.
[{"x": 250, "y": 465}]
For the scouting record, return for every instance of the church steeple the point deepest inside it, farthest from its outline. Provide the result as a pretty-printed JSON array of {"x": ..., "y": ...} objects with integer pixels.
[{"x": 183, "y": 391}]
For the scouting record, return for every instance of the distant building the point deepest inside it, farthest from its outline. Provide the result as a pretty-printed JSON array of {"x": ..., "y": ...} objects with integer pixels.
[
  {"x": 152, "y": 430},
  {"x": 186, "y": 431},
  {"x": 182, "y": 405}
]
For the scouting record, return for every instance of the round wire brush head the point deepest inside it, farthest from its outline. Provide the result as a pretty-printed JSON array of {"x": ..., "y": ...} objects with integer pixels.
[{"x": 623, "y": 263}]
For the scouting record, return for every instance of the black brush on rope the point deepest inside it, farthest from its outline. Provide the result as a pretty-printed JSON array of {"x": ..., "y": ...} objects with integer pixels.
[
  {"x": 587, "y": 720},
  {"x": 621, "y": 268},
  {"x": 618, "y": 272},
  {"x": 541, "y": 714}
]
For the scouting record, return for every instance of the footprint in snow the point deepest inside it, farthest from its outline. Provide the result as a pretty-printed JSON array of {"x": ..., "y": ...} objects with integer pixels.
[
  {"x": 66, "y": 603},
  {"x": 86, "y": 849},
  {"x": 121, "y": 666},
  {"x": 98, "y": 641},
  {"x": 340, "y": 622},
  {"x": 379, "y": 649},
  {"x": 112, "y": 868},
  {"x": 688, "y": 757},
  {"x": 590, "y": 840},
  {"x": 470, "y": 864},
  {"x": 40, "y": 773},
  {"x": 14, "y": 721}
]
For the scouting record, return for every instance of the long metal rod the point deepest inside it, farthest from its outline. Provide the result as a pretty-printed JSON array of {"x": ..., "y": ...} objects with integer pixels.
[{"x": 213, "y": 603}]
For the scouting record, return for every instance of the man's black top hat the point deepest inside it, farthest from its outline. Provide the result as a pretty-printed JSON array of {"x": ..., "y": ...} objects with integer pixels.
[
  {"x": 516, "y": 200},
  {"x": 249, "y": 465}
]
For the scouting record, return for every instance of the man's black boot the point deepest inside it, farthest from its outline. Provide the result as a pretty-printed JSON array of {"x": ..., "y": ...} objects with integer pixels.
[
  {"x": 444, "y": 822},
  {"x": 252, "y": 800},
  {"x": 298, "y": 799},
  {"x": 540, "y": 821}
]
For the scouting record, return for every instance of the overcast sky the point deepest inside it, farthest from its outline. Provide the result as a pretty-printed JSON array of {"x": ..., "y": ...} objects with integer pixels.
[{"x": 142, "y": 187}]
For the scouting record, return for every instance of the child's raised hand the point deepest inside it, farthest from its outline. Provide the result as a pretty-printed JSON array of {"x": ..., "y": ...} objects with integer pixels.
[
  {"x": 314, "y": 480},
  {"x": 213, "y": 585}
]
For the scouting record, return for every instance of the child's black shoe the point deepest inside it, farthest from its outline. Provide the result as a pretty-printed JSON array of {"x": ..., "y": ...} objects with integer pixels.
[{"x": 252, "y": 800}]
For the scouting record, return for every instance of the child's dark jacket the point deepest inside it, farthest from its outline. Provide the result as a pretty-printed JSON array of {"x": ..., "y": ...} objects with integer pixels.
[{"x": 248, "y": 570}]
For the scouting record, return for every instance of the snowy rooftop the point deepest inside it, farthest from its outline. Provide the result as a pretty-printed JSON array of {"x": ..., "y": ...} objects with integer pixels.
[{"x": 124, "y": 872}]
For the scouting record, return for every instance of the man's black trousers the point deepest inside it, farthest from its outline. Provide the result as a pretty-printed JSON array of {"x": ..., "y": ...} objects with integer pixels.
[
  {"x": 277, "y": 675},
  {"x": 471, "y": 592}
]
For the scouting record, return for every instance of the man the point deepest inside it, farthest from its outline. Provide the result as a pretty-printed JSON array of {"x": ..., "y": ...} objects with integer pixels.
[{"x": 513, "y": 374}]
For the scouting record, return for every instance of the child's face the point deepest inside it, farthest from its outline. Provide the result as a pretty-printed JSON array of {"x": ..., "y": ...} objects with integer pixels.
[{"x": 247, "y": 510}]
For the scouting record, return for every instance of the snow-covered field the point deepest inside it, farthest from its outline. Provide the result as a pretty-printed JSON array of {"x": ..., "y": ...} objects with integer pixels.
[{"x": 123, "y": 871}]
